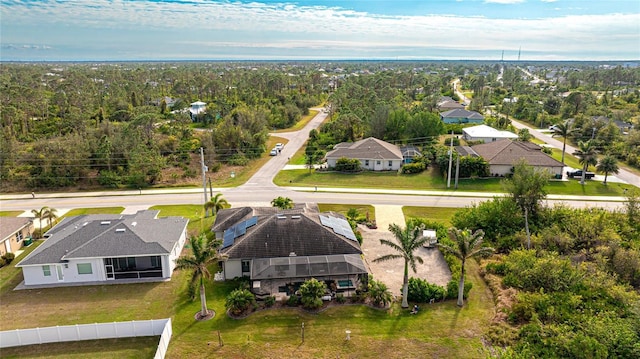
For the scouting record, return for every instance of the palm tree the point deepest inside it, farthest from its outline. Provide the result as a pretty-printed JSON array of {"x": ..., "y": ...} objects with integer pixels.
[
  {"x": 587, "y": 153},
  {"x": 40, "y": 215},
  {"x": 409, "y": 240},
  {"x": 282, "y": 202},
  {"x": 215, "y": 204},
  {"x": 203, "y": 255},
  {"x": 564, "y": 130},
  {"x": 51, "y": 214},
  {"x": 466, "y": 245},
  {"x": 608, "y": 164}
]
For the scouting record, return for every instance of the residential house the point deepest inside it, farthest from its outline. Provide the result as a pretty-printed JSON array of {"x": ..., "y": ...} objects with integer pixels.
[
  {"x": 280, "y": 249},
  {"x": 107, "y": 247},
  {"x": 486, "y": 134},
  {"x": 13, "y": 232},
  {"x": 461, "y": 116},
  {"x": 502, "y": 155},
  {"x": 197, "y": 108},
  {"x": 446, "y": 103},
  {"x": 374, "y": 154}
]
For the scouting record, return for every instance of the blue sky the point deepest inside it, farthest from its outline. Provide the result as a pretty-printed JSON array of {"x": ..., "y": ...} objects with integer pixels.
[{"x": 47, "y": 30}]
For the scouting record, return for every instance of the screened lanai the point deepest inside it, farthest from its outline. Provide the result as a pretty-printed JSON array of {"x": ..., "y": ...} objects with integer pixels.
[{"x": 302, "y": 267}]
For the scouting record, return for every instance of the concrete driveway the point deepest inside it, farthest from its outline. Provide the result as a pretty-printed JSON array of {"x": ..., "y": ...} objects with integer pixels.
[{"x": 434, "y": 269}]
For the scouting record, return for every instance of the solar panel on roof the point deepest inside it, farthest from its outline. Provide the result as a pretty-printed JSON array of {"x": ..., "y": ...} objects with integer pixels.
[
  {"x": 241, "y": 228},
  {"x": 325, "y": 221},
  {"x": 252, "y": 221},
  {"x": 228, "y": 238}
]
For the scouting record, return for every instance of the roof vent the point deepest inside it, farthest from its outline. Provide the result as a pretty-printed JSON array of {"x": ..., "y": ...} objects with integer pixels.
[
  {"x": 120, "y": 230},
  {"x": 85, "y": 223},
  {"x": 292, "y": 254},
  {"x": 134, "y": 224},
  {"x": 295, "y": 217},
  {"x": 105, "y": 223},
  {"x": 281, "y": 217}
]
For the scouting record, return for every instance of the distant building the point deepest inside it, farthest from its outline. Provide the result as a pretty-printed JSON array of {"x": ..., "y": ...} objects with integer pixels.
[
  {"x": 374, "y": 154},
  {"x": 502, "y": 155},
  {"x": 197, "y": 108},
  {"x": 13, "y": 232},
  {"x": 485, "y": 134},
  {"x": 461, "y": 116}
]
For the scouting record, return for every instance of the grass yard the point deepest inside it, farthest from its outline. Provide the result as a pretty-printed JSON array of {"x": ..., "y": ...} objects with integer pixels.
[
  {"x": 103, "y": 210},
  {"x": 439, "y": 214},
  {"x": 430, "y": 180},
  {"x": 439, "y": 330},
  {"x": 344, "y": 208},
  {"x": 195, "y": 214},
  {"x": 10, "y": 213},
  {"x": 132, "y": 348}
]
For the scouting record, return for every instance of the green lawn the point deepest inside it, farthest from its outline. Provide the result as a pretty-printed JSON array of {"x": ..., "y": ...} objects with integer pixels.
[
  {"x": 10, "y": 213},
  {"x": 429, "y": 180},
  {"x": 439, "y": 330},
  {"x": 132, "y": 348},
  {"x": 195, "y": 213},
  {"x": 103, "y": 210},
  {"x": 343, "y": 208},
  {"x": 439, "y": 214}
]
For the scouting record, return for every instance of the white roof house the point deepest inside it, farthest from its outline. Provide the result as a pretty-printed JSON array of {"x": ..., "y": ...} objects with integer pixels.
[
  {"x": 486, "y": 134},
  {"x": 197, "y": 107}
]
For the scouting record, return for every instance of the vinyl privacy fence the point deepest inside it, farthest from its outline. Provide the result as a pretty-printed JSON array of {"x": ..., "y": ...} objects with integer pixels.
[{"x": 70, "y": 333}]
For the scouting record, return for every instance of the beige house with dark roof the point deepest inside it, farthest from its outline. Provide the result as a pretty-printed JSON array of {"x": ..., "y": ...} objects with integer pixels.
[
  {"x": 502, "y": 155},
  {"x": 278, "y": 249},
  {"x": 13, "y": 232},
  {"x": 374, "y": 154}
]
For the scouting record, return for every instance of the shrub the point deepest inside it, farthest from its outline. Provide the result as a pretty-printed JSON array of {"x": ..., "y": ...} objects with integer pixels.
[
  {"x": 416, "y": 167},
  {"x": 239, "y": 300},
  {"x": 341, "y": 299},
  {"x": 498, "y": 268},
  {"x": 293, "y": 301},
  {"x": 270, "y": 301},
  {"x": 379, "y": 293},
  {"x": 8, "y": 257},
  {"x": 421, "y": 291},
  {"x": 347, "y": 165},
  {"x": 2, "y": 262},
  {"x": 311, "y": 293}
]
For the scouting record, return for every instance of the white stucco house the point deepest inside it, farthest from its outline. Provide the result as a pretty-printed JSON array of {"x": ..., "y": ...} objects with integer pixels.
[
  {"x": 107, "y": 247},
  {"x": 502, "y": 155},
  {"x": 374, "y": 154},
  {"x": 197, "y": 108},
  {"x": 486, "y": 134}
]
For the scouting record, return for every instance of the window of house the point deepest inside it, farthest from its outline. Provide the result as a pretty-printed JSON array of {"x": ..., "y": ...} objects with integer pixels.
[
  {"x": 246, "y": 266},
  {"x": 84, "y": 268},
  {"x": 378, "y": 162},
  {"x": 19, "y": 236},
  {"x": 366, "y": 163},
  {"x": 390, "y": 163},
  {"x": 156, "y": 262},
  {"x": 46, "y": 271}
]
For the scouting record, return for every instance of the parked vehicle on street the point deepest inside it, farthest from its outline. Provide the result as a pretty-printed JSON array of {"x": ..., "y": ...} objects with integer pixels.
[
  {"x": 578, "y": 174},
  {"x": 279, "y": 146},
  {"x": 273, "y": 152}
]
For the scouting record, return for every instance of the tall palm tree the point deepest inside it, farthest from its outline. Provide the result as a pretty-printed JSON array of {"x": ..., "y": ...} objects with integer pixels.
[
  {"x": 408, "y": 239},
  {"x": 587, "y": 153},
  {"x": 608, "y": 164},
  {"x": 51, "y": 214},
  {"x": 215, "y": 204},
  {"x": 40, "y": 215},
  {"x": 466, "y": 245},
  {"x": 564, "y": 130},
  {"x": 204, "y": 254}
]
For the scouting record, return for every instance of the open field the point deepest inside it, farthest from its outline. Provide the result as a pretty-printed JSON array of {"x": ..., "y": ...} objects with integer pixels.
[
  {"x": 439, "y": 214},
  {"x": 103, "y": 210},
  {"x": 439, "y": 330},
  {"x": 10, "y": 213}
]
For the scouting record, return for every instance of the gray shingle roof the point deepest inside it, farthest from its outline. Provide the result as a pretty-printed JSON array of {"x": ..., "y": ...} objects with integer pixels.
[
  {"x": 280, "y": 233},
  {"x": 10, "y": 225},
  {"x": 507, "y": 152},
  {"x": 98, "y": 236},
  {"x": 462, "y": 113},
  {"x": 369, "y": 148}
]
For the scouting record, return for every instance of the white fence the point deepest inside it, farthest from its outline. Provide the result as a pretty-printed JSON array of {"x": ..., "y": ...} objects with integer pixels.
[{"x": 70, "y": 333}]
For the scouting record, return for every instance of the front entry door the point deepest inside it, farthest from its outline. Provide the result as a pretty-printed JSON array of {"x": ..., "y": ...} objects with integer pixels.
[
  {"x": 109, "y": 270},
  {"x": 60, "y": 273}
]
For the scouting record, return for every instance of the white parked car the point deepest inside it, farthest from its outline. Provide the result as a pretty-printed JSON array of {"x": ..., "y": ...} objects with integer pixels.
[
  {"x": 279, "y": 146},
  {"x": 273, "y": 152}
]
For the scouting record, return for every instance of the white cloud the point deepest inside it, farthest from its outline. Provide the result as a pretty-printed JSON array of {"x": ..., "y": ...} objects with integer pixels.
[{"x": 203, "y": 25}]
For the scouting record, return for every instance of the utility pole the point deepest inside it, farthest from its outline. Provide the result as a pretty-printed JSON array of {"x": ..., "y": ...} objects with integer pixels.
[
  {"x": 204, "y": 178},
  {"x": 450, "y": 161},
  {"x": 457, "y": 170}
]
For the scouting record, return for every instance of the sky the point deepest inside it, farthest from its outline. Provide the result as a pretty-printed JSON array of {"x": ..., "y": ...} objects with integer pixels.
[{"x": 119, "y": 30}]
